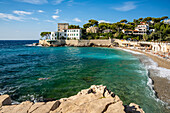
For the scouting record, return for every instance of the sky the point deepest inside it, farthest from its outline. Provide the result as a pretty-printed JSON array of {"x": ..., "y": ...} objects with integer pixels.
[{"x": 26, "y": 19}]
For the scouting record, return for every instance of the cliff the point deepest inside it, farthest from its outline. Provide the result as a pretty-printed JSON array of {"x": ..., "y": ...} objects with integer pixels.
[{"x": 96, "y": 99}]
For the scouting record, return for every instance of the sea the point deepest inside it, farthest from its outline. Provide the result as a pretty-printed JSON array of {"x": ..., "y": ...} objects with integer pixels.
[{"x": 50, "y": 73}]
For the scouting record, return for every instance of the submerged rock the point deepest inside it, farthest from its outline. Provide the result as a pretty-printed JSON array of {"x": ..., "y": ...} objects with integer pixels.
[{"x": 96, "y": 99}]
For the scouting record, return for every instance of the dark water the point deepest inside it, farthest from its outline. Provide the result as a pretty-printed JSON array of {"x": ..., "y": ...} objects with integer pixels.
[{"x": 71, "y": 69}]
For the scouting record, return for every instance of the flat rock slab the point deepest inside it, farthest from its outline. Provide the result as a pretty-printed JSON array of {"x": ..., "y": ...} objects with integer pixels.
[
  {"x": 5, "y": 100},
  {"x": 96, "y": 99}
]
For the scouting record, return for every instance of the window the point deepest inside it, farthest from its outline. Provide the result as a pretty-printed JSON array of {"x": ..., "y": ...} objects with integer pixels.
[
  {"x": 77, "y": 34},
  {"x": 64, "y": 34},
  {"x": 77, "y": 31},
  {"x": 74, "y": 34}
]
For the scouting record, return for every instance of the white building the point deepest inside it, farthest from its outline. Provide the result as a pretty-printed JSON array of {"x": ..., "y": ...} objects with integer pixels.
[
  {"x": 67, "y": 34},
  {"x": 54, "y": 35},
  {"x": 141, "y": 29}
]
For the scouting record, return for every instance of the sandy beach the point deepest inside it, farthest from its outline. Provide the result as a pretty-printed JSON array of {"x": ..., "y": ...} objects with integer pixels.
[{"x": 161, "y": 85}]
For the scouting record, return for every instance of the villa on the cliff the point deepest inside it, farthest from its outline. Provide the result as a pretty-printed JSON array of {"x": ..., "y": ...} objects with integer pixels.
[
  {"x": 141, "y": 29},
  {"x": 65, "y": 33}
]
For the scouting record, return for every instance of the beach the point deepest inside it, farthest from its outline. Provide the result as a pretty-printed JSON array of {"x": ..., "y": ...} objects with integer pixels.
[{"x": 160, "y": 84}]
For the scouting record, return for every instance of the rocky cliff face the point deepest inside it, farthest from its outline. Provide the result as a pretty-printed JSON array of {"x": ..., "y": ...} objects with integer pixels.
[{"x": 96, "y": 99}]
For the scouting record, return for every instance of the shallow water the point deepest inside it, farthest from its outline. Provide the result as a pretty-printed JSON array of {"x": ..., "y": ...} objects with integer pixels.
[{"x": 71, "y": 69}]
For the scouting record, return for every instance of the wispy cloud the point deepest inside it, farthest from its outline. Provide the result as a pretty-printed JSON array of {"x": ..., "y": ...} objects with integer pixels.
[
  {"x": 76, "y": 20},
  {"x": 40, "y": 11},
  {"x": 127, "y": 6},
  {"x": 35, "y": 19},
  {"x": 33, "y": 1},
  {"x": 22, "y": 12},
  {"x": 55, "y": 16},
  {"x": 70, "y": 2},
  {"x": 57, "y": 11},
  {"x": 57, "y": 1},
  {"x": 49, "y": 21},
  {"x": 7, "y": 17},
  {"x": 100, "y": 21}
]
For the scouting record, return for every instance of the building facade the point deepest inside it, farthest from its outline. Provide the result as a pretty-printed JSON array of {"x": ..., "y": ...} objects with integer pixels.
[
  {"x": 107, "y": 31},
  {"x": 62, "y": 26},
  {"x": 141, "y": 29},
  {"x": 67, "y": 34},
  {"x": 92, "y": 30}
]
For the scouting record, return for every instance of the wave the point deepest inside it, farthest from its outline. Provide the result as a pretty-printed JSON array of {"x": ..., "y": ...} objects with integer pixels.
[
  {"x": 159, "y": 71},
  {"x": 134, "y": 52},
  {"x": 29, "y": 45},
  {"x": 152, "y": 69}
]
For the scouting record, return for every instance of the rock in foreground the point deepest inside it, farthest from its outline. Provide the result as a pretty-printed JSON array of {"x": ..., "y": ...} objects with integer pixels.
[{"x": 96, "y": 99}]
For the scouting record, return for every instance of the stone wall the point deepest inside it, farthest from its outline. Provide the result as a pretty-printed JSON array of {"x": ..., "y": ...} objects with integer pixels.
[{"x": 76, "y": 42}]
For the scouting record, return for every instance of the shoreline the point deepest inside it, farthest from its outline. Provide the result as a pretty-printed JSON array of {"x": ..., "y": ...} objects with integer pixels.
[{"x": 160, "y": 84}]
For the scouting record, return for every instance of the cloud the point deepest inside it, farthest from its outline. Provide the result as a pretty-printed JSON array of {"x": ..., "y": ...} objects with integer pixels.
[
  {"x": 40, "y": 11},
  {"x": 100, "y": 21},
  {"x": 57, "y": 11},
  {"x": 35, "y": 19},
  {"x": 76, "y": 20},
  {"x": 55, "y": 16},
  {"x": 127, "y": 6},
  {"x": 22, "y": 13},
  {"x": 49, "y": 21},
  {"x": 7, "y": 17},
  {"x": 70, "y": 2},
  {"x": 33, "y": 1},
  {"x": 57, "y": 1}
]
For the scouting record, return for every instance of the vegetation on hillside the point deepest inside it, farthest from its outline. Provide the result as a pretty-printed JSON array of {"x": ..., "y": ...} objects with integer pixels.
[{"x": 162, "y": 30}]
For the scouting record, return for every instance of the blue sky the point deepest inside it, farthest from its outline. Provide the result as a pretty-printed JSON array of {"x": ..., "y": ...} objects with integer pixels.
[{"x": 26, "y": 19}]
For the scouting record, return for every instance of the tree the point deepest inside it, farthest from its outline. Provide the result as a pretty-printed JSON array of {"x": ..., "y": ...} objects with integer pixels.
[
  {"x": 87, "y": 25},
  {"x": 116, "y": 34},
  {"x": 123, "y": 21},
  {"x": 156, "y": 20},
  {"x": 137, "y": 38},
  {"x": 147, "y": 19},
  {"x": 45, "y": 34},
  {"x": 93, "y": 22},
  {"x": 126, "y": 37},
  {"x": 164, "y": 17},
  {"x": 73, "y": 27},
  {"x": 152, "y": 36},
  {"x": 103, "y": 26},
  {"x": 140, "y": 19},
  {"x": 90, "y": 37},
  {"x": 145, "y": 37},
  {"x": 136, "y": 22},
  {"x": 118, "y": 26}
]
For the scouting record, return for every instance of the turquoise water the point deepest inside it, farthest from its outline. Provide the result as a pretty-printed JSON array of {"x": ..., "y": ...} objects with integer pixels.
[{"x": 71, "y": 69}]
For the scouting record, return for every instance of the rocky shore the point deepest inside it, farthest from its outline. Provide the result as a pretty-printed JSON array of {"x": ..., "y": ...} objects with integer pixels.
[{"x": 96, "y": 99}]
